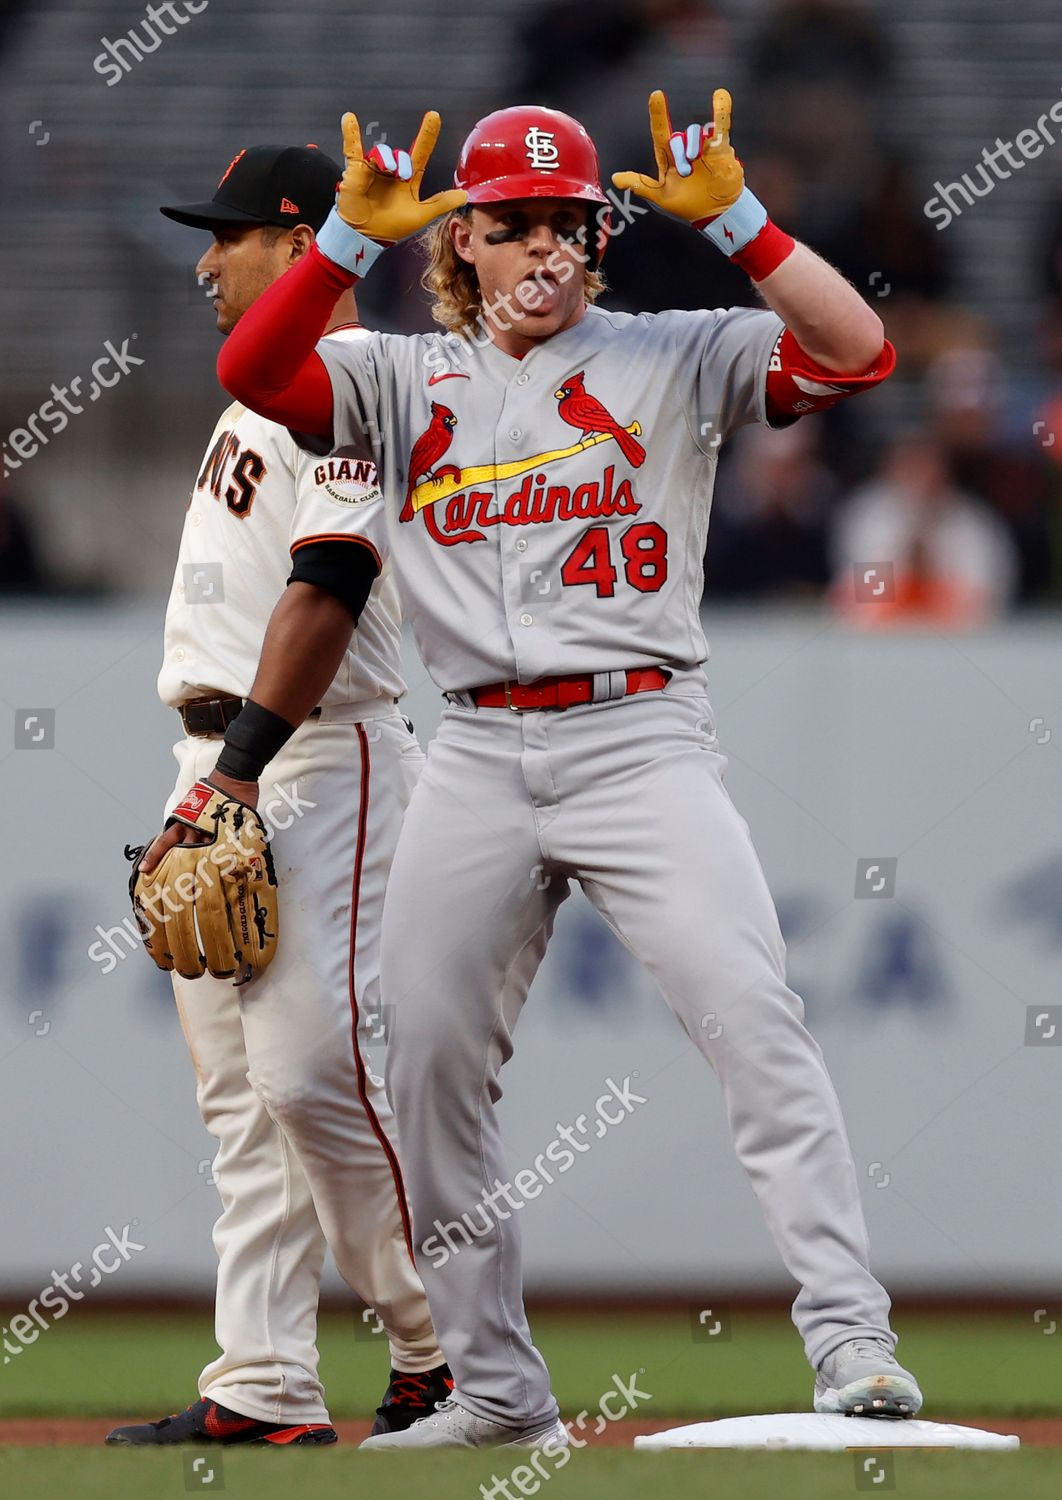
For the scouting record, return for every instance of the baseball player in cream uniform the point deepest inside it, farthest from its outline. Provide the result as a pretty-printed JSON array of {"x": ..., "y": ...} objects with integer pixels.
[
  {"x": 306, "y": 1139},
  {"x": 547, "y": 471}
]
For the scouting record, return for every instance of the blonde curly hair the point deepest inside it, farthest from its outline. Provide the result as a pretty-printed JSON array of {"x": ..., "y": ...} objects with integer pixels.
[{"x": 452, "y": 284}]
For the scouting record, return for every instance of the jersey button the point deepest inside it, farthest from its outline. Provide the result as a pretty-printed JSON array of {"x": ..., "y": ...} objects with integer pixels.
[
  {"x": 515, "y": 434},
  {"x": 527, "y": 619},
  {"x": 521, "y": 545},
  {"x": 195, "y": 518},
  {"x": 178, "y": 655},
  {"x": 523, "y": 379}
]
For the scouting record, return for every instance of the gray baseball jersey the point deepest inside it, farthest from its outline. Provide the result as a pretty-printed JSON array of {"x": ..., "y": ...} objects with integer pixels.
[
  {"x": 549, "y": 515},
  {"x": 561, "y": 501}
]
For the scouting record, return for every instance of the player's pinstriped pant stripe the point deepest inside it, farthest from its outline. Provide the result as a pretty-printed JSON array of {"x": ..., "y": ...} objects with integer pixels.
[{"x": 306, "y": 1134}]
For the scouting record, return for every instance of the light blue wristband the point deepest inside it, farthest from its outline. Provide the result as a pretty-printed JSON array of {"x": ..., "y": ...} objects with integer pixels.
[
  {"x": 738, "y": 226},
  {"x": 347, "y": 247}
]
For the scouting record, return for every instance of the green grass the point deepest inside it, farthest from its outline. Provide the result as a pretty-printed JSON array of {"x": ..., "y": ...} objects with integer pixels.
[
  {"x": 344, "y": 1474},
  {"x": 129, "y": 1364}
]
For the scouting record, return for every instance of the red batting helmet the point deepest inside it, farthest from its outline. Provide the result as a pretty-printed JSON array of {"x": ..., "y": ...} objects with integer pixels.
[{"x": 529, "y": 151}]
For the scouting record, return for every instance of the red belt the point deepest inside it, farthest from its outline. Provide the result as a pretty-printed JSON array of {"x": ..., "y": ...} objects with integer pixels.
[{"x": 561, "y": 692}]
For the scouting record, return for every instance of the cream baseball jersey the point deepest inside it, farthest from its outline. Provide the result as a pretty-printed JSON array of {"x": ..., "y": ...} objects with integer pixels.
[
  {"x": 256, "y": 499},
  {"x": 549, "y": 514}
]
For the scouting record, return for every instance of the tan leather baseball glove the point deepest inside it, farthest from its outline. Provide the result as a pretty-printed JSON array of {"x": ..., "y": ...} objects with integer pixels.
[{"x": 210, "y": 906}]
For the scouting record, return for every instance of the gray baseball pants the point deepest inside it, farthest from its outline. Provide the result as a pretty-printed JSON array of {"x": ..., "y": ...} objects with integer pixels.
[{"x": 626, "y": 798}]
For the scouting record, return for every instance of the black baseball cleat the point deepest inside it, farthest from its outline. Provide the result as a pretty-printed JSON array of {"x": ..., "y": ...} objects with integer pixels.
[
  {"x": 410, "y": 1397},
  {"x": 207, "y": 1422}
]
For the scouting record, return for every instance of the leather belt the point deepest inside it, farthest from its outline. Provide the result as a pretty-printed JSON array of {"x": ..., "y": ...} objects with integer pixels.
[
  {"x": 562, "y": 692},
  {"x": 205, "y": 717}
]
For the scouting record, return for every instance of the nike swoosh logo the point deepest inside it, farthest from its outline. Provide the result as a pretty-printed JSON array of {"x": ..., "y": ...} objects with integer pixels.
[
  {"x": 451, "y": 375},
  {"x": 817, "y": 387}
]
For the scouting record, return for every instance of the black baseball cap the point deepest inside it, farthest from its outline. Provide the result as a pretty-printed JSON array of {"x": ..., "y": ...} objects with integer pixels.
[{"x": 284, "y": 185}]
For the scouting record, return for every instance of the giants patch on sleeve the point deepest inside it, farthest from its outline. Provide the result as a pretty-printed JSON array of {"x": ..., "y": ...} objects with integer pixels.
[
  {"x": 798, "y": 384},
  {"x": 349, "y": 481}
]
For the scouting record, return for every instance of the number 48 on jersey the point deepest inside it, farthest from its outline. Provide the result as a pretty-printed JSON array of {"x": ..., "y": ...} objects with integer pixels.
[{"x": 643, "y": 551}]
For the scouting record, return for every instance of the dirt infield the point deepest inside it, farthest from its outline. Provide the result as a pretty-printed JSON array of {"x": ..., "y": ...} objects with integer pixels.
[{"x": 77, "y": 1432}]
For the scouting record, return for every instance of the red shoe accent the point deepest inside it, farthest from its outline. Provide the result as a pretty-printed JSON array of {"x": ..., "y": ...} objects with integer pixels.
[
  {"x": 216, "y": 1426},
  {"x": 292, "y": 1434},
  {"x": 409, "y": 1389}
]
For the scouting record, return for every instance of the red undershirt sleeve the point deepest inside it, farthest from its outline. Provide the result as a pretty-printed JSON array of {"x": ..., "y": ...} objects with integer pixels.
[{"x": 269, "y": 361}]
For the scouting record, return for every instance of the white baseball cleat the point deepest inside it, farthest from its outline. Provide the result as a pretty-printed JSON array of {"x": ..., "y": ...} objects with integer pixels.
[
  {"x": 451, "y": 1426},
  {"x": 862, "y": 1379}
]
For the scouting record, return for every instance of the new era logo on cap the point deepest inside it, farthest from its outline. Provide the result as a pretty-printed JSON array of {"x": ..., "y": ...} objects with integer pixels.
[{"x": 287, "y": 207}]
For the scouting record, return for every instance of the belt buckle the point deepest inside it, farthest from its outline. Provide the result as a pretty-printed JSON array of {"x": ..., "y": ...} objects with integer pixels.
[
  {"x": 183, "y": 712},
  {"x": 517, "y": 708}
]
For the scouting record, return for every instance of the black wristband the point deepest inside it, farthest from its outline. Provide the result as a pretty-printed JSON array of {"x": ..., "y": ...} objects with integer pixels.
[{"x": 255, "y": 735}]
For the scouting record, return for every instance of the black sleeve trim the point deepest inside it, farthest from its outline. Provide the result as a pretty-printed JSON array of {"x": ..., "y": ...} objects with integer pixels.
[{"x": 345, "y": 569}]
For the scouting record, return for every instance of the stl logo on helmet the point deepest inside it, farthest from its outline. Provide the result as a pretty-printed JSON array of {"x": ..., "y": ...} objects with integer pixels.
[{"x": 542, "y": 153}]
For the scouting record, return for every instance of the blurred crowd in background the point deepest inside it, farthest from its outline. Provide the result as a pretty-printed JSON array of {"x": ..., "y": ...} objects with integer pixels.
[{"x": 948, "y": 480}]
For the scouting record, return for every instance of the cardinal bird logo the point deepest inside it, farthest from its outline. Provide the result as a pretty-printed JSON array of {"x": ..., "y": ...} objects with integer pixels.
[
  {"x": 427, "y": 450},
  {"x": 580, "y": 409}
]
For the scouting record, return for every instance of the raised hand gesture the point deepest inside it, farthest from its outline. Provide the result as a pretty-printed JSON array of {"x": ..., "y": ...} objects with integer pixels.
[
  {"x": 699, "y": 177},
  {"x": 379, "y": 194}
]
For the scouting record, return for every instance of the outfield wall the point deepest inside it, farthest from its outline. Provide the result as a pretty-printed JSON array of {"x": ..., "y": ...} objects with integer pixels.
[{"x": 935, "y": 991}]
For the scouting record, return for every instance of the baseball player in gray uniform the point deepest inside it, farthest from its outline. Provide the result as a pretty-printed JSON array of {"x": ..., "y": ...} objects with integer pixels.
[{"x": 538, "y": 440}]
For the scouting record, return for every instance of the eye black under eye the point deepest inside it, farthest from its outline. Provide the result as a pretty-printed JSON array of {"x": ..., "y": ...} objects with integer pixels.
[
  {"x": 505, "y": 233},
  {"x": 517, "y": 229}
]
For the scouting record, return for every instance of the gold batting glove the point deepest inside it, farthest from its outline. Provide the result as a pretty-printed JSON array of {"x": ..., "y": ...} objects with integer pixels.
[
  {"x": 379, "y": 202},
  {"x": 699, "y": 177}
]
